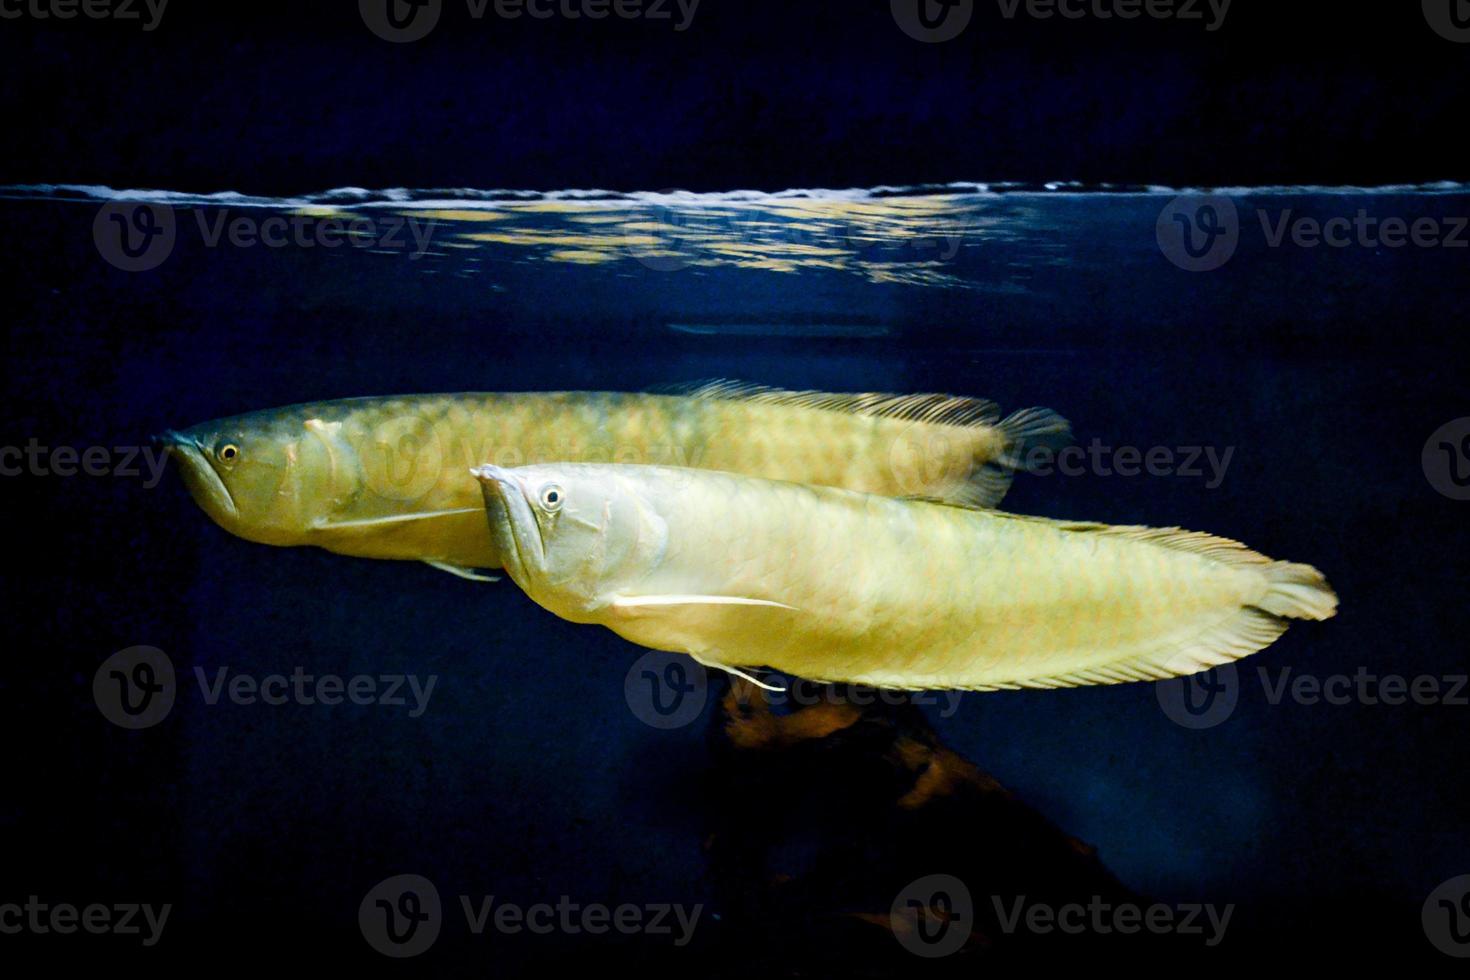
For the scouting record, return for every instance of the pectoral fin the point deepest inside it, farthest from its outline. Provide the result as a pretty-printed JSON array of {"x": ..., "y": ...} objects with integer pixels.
[
  {"x": 375, "y": 523},
  {"x": 460, "y": 571}
]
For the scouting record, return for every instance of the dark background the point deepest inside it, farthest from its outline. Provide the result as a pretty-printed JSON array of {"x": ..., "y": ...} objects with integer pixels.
[
  {"x": 530, "y": 778},
  {"x": 284, "y": 98}
]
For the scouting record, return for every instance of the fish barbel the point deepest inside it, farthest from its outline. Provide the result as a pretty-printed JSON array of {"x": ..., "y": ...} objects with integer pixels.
[
  {"x": 389, "y": 477},
  {"x": 839, "y": 586}
]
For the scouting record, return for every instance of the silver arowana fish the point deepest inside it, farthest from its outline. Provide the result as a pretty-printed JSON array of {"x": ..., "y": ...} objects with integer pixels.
[
  {"x": 834, "y": 585},
  {"x": 389, "y": 477}
]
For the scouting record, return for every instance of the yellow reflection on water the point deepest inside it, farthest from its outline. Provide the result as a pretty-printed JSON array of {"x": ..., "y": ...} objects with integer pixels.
[
  {"x": 909, "y": 240},
  {"x": 452, "y": 214},
  {"x": 580, "y": 256}
]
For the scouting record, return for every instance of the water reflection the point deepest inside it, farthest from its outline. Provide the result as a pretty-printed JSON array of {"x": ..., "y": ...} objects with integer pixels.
[{"x": 910, "y": 239}]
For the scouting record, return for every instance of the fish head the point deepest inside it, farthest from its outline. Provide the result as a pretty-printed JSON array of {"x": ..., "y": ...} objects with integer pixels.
[
  {"x": 270, "y": 477},
  {"x": 572, "y": 535}
]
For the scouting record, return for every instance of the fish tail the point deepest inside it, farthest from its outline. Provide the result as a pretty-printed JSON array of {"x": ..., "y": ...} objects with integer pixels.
[
  {"x": 1297, "y": 592},
  {"x": 1291, "y": 591},
  {"x": 1027, "y": 438}
]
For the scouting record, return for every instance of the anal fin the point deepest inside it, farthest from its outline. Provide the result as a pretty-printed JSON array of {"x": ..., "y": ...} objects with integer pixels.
[
  {"x": 459, "y": 571},
  {"x": 737, "y": 672}
]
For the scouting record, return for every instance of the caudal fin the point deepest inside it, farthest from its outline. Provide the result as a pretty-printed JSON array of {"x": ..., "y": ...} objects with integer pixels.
[
  {"x": 1298, "y": 592},
  {"x": 1029, "y": 437}
]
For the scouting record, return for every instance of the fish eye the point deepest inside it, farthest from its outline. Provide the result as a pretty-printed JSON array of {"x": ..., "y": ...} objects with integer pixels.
[
  {"x": 551, "y": 497},
  {"x": 228, "y": 453}
]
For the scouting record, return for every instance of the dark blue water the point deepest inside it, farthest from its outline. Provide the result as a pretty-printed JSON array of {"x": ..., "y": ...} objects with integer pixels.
[{"x": 1319, "y": 371}]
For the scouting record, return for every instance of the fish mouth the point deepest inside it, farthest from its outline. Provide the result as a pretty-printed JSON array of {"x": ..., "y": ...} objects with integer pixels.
[
  {"x": 512, "y": 522},
  {"x": 204, "y": 484}
]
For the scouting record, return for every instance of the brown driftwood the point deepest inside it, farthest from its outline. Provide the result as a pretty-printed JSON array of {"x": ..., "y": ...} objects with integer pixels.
[{"x": 821, "y": 816}]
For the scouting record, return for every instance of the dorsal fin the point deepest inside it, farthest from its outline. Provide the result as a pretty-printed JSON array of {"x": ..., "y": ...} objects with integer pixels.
[
  {"x": 988, "y": 480},
  {"x": 1211, "y": 546},
  {"x": 935, "y": 408}
]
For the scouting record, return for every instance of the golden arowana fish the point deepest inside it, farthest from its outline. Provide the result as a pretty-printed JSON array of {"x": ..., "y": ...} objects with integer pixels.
[
  {"x": 834, "y": 585},
  {"x": 389, "y": 477}
]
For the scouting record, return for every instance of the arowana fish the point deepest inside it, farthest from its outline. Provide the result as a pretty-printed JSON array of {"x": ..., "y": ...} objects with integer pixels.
[
  {"x": 389, "y": 477},
  {"x": 835, "y": 585}
]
